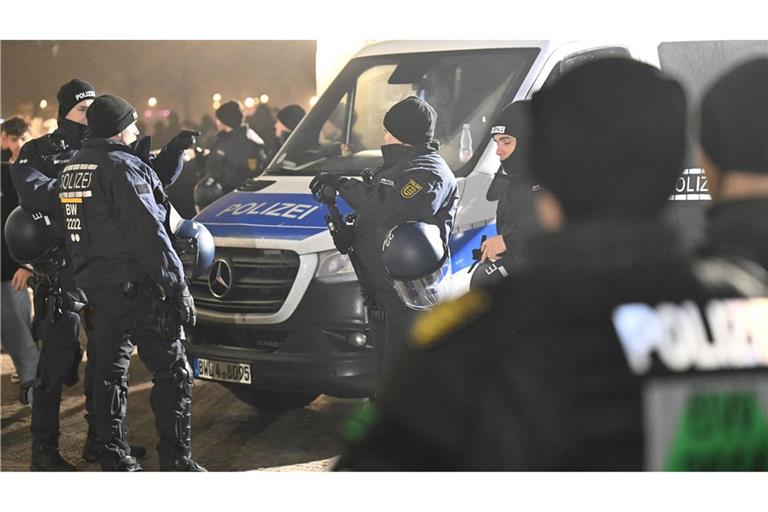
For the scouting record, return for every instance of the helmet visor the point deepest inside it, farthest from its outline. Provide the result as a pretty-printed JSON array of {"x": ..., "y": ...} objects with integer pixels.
[{"x": 425, "y": 292}]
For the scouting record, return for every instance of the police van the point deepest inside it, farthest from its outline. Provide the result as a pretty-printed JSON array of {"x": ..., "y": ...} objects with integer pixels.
[{"x": 281, "y": 318}]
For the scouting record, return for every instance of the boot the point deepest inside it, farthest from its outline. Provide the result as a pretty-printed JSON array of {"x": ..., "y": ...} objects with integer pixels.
[
  {"x": 123, "y": 464},
  {"x": 45, "y": 458},
  {"x": 180, "y": 463},
  {"x": 92, "y": 449}
]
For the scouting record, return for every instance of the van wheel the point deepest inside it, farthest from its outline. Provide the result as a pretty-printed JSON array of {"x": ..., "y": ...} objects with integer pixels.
[{"x": 273, "y": 400}]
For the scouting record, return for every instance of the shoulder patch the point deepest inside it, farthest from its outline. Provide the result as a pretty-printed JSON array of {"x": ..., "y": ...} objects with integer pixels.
[
  {"x": 253, "y": 164},
  {"x": 411, "y": 189},
  {"x": 447, "y": 317},
  {"x": 142, "y": 188}
]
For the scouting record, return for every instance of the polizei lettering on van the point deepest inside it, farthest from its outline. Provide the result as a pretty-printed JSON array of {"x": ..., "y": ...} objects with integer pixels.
[
  {"x": 271, "y": 209},
  {"x": 726, "y": 334}
]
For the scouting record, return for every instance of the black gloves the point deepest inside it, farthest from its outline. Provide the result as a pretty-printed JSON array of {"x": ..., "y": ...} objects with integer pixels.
[
  {"x": 185, "y": 139},
  {"x": 321, "y": 181},
  {"x": 185, "y": 305},
  {"x": 142, "y": 148}
]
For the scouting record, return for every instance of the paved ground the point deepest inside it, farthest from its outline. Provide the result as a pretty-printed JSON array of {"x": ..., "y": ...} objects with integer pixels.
[{"x": 227, "y": 434}]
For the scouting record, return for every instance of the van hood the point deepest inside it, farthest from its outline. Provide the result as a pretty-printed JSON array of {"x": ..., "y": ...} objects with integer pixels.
[{"x": 282, "y": 210}]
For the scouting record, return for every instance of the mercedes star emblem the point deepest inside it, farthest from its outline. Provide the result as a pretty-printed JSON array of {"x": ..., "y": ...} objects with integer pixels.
[{"x": 220, "y": 279}]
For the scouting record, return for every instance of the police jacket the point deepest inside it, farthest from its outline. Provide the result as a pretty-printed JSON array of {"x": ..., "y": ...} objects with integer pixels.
[
  {"x": 739, "y": 227},
  {"x": 115, "y": 216},
  {"x": 9, "y": 201},
  {"x": 516, "y": 219},
  {"x": 414, "y": 183},
  {"x": 40, "y": 161},
  {"x": 236, "y": 156},
  {"x": 612, "y": 352}
]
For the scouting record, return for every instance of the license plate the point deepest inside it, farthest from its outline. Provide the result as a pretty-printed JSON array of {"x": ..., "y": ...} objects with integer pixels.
[{"x": 223, "y": 370}]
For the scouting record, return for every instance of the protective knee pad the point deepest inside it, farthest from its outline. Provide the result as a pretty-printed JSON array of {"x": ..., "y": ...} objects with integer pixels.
[{"x": 183, "y": 376}]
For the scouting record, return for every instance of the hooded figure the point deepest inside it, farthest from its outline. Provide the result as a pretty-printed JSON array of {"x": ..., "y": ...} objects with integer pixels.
[{"x": 512, "y": 186}]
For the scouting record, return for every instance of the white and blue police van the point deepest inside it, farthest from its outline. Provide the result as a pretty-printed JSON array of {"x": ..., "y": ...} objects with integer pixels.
[{"x": 281, "y": 317}]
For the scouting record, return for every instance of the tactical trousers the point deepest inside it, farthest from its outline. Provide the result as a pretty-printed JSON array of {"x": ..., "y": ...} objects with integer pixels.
[
  {"x": 59, "y": 352},
  {"x": 122, "y": 318},
  {"x": 390, "y": 326}
]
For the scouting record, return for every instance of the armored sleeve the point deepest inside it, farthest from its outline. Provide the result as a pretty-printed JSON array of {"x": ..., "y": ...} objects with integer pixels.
[
  {"x": 36, "y": 190},
  {"x": 168, "y": 165},
  {"x": 142, "y": 220},
  {"x": 413, "y": 195}
]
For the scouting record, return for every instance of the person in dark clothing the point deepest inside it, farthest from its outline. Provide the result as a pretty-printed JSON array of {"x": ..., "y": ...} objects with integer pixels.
[
  {"x": 288, "y": 118},
  {"x": 238, "y": 152},
  {"x": 122, "y": 256},
  {"x": 263, "y": 122},
  {"x": 512, "y": 187},
  {"x": 35, "y": 176},
  {"x": 734, "y": 155},
  {"x": 414, "y": 183},
  {"x": 15, "y": 330},
  {"x": 613, "y": 350}
]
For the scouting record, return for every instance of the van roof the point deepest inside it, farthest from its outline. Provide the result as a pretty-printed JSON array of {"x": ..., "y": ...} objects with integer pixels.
[{"x": 399, "y": 47}]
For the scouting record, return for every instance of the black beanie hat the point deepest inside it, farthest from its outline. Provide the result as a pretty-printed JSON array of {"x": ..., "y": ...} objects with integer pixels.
[
  {"x": 72, "y": 93},
  {"x": 411, "y": 121},
  {"x": 231, "y": 113},
  {"x": 108, "y": 115},
  {"x": 291, "y": 116},
  {"x": 609, "y": 138},
  {"x": 734, "y": 118},
  {"x": 515, "y": 120}
]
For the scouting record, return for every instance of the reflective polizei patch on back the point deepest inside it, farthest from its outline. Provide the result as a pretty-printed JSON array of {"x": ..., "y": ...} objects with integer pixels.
[
  {"x": 692, "y": 185},
  {"x": 707, "y": 422}
]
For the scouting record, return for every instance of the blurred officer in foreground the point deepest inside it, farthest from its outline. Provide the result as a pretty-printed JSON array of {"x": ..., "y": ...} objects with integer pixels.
[
  {"x": 414, "y": 183},
  {"x": 613, "y": 350},
  {"x": 734, "y": 144},
  {"x": 35, "y": 176},
  {"x": 124, "y": 260}
]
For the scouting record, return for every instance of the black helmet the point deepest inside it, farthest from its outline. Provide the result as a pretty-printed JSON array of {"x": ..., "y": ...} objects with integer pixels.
[
  {"x": 488, "y": 273},
  {"x": 417, "y": 259},
  {"x": 207, "y": 191},
  {"x": 195, "y": 247},
  {"x": 32, "y": 236}
]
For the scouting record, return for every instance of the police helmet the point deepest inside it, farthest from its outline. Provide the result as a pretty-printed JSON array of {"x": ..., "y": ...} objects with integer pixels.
[
  {"x": 488, "y": 273},
  {"x": 32, "y": 236},
  {"x": 207, "y": 191},
  {"x": 195, "y": 247},
  {"x": 418, "y": 261}
]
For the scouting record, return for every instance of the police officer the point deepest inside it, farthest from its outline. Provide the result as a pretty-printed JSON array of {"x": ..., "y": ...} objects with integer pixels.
[
  {"x": 122, "y": 257},
  {"x": 35, "y": 176},
  {"x": 238, "y": 152},
  {"x": 512, "y": 187},
  {"x": 733, "y": 135},
  {"x": 414, "y": 183},
  {"x": 288, "y": 118},
  {"x": 553, "y": 368}
]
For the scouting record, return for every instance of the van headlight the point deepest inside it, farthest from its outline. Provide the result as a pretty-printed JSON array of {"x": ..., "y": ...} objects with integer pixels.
[{"x": 334, "y": 267}]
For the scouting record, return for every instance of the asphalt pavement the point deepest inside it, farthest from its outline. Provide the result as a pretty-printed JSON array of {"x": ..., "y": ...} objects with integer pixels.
[{"x": 227, "y": 435}]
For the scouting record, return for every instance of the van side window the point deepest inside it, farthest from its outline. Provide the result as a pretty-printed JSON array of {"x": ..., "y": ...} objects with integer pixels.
[{"x": 576, "y": 59}]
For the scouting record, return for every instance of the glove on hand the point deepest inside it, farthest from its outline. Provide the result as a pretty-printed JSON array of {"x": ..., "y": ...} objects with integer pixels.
[
  {"x": 322, "y": 180},
  {"x": 185, "y": 305},
  {"x": 185, "y": 139}
]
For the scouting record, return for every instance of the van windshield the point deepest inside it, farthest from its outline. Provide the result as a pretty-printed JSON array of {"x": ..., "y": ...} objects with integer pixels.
[{"x": 343, "y": 133}]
